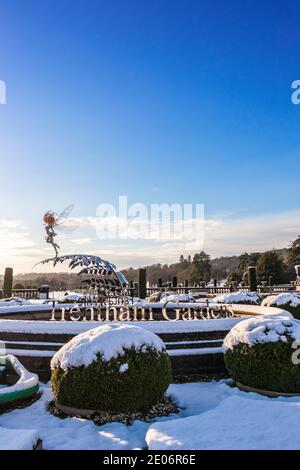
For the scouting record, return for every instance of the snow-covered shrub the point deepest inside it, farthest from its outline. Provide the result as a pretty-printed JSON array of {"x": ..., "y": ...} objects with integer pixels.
[
  {"x": 155, "y": 297},
  {"x": 115, "y": 368},
  {"x": 14, "y": 302},
  {"x": 289, "y": 301},
  {"x": 258, "y": 353},
  {"x": 73, "y": 298},
  {"x": 241, "y": 297},
  {"x": 171, "y": 297}
]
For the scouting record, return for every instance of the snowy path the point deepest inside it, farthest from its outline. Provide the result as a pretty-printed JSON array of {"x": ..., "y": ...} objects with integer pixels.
[{"x": 215, "y": 416}]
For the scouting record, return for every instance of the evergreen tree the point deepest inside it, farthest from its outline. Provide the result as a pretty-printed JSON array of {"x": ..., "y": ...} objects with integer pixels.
[
  {"x": 246, "y": 260},
  {"x": 293, "y": 255},
  {"x": 269, "y": 264},
  {"x": 233, "y": 276},
  {"x": 201, "y": 268}
]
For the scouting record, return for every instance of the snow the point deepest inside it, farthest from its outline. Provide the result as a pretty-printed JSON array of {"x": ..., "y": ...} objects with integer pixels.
[
  {"x": 212, "y": 415},
  {"x": 288, "y": 298},
  {"x": 72, "y": 433},
  {"x": 18, "y": 439},
  {"x": 238, "y": 297},
  {"x": 61, "y": 295},
  {"x": 77, "y": 434},
  {"x": 14, "y": 302},
  {"x": 110, "y": 341},
  {"x": 67, "y": 327},
  {"x": 74, "y": 297},
  {"x": 123, "y": 368},
  {"x": 30, "y": 352},
  {"x": 176, "y": 298},
  {"x": 265, "y": 329},
  {"x": 38, "y": 307},
  {"x": 237, "y": 423},
  {"x": 26, "y": 380},
  {"x": 194, "y": 351}
]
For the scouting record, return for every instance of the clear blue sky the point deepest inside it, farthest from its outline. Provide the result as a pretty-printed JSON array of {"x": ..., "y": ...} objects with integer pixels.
[{"x": 165, "y": 101}]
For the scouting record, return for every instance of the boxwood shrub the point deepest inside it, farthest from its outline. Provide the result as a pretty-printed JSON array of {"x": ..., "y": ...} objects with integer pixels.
[
  {"x": 295, "y": 311},
  {"x": 240, "y": 297},
  {"x": 128, "y": 383},
  {"x": 259, "y": 353},
  {"x": 267, "y": 366},
  {"x": 289, "y": 301}
]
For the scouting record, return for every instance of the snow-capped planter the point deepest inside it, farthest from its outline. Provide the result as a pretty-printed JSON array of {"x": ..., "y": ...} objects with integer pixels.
[
  {"x": 241, "y": 297},
  {"x": 262, "y": 353},
  {"x": 114, "y": 368},
  {"x": 16, "y": 382},
  {"x": 289, "y": 301}
]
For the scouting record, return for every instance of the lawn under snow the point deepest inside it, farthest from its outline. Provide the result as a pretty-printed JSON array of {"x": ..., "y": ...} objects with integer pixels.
[{"x": 213, "y": 416}]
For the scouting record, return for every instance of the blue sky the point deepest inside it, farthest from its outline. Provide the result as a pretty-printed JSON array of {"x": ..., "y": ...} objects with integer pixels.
[{"x": 164, "y": 101}]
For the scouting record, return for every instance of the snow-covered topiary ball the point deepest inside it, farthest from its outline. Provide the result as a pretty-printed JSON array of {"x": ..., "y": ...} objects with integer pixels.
[
  {"x": 115, "y": 368},
  {"x": 262, "y": 353},
  {"x": 289, "y": 301},
  {"x": 171, "y": 297},
  {"x": 241, "y": 297}
]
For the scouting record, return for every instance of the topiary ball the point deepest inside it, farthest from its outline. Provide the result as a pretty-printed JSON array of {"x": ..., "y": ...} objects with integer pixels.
[
  {"x": 263, "y": 353},
  {"x": 289, "y": 301},
  {"x": 114, "y": 368}
]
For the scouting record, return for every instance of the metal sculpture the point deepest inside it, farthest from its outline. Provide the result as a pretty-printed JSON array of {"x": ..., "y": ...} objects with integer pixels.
[
  {"x": 49, "y": 220},
  {"x": 54, "y": 221},
  {"x": 104, "y": 281},
  {"x": 100, "y": 276}
]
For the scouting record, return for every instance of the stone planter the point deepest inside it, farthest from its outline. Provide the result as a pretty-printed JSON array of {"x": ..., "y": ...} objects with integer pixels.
[{"x": 266, "y": 393}]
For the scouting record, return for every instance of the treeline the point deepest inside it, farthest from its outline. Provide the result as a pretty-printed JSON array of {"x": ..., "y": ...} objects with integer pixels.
[
  {"x": 273, "y": 266},
  {"x": 276, "y": 266}
]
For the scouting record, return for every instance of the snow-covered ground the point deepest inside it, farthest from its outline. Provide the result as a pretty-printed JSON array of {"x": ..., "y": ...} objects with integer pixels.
[{"x": 212, "y": 416}]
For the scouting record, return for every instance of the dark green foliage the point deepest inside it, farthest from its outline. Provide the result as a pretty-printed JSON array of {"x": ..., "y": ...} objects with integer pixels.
[
  {"x": 19, "y": 286},
  {"x": 201, "y": 268},
  {"x": 101, "y": 386},
  {"x": 267, "y": 366},
  {"x": 247, "y": 259},
  {"x": 8, "y": 282},
  {"x": 233, "y": 277},
  {"x": 295, "y": 311},
  {"x": 269, "y": 264},
  {"x": 293, "y": 254}
]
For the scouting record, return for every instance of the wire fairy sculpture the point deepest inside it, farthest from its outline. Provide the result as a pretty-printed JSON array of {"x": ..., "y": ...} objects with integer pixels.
[
  {"x": 53, "y": 221},
  {"x": 100, "y": 276}
]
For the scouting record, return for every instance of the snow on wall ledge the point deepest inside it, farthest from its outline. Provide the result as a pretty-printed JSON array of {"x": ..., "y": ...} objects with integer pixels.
[{"x": 74, "y": 328}]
